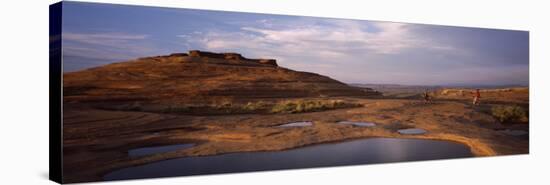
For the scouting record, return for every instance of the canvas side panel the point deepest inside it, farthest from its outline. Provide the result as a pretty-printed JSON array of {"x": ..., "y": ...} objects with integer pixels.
[{"x": 55, "y": 110}]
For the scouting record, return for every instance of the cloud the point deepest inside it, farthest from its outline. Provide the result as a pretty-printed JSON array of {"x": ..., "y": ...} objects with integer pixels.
[
  {"x": 92, "y": 52},
  {"x": 109, "y": 46},
  {"x": 109, "y": 39},
  {"x": 334, "y": 38},
  {"x": 321, "y": 46},
  {"x": 316, "y": 45},
  {"x": 346, "y": 50}
]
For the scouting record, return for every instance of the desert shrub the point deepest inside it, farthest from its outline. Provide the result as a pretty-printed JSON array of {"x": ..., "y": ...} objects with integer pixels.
[
  {"x": 291, "y": 106},
  {"x": 299, "y": 106},
  {"x": 255, "y": 106},
  {"x": 509, "y": 113},
  {"x": 250, "y": 107},
  {"x": 284, "y": 107}
]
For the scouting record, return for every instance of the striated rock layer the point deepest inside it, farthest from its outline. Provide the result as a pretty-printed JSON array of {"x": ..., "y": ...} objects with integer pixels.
[{"x": 198, "y": 77}]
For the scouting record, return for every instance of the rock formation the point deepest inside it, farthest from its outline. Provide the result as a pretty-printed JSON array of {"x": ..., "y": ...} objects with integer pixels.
[
  {"x": 199, "y": 77},
  {"x": 231, "y": 57}
]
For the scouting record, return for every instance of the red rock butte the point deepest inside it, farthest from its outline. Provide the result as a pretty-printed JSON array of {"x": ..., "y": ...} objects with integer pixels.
[
  {"x": 199, "y": 77},
  {"x": 223, "y": 58}
]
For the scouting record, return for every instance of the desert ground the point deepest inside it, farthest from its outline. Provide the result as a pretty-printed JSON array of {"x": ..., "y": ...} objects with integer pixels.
[{"x": 97, "y": 136}]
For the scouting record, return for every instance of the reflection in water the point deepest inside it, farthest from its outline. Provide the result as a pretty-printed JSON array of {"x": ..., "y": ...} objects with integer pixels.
[
  {"x": 412, "y": 131},
  {"x": 157, "y": 149},
  {"x": 364, "y": 151},
  {"x": 358, "y": 123},
  {"x": 297, "y": 124}
]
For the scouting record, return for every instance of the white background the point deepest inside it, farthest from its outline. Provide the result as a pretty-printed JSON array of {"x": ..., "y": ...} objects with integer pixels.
[{"x": 24, "y": 91}]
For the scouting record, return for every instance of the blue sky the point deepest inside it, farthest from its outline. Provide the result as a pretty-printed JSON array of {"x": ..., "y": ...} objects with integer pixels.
[{"x": 352, "y": 51}]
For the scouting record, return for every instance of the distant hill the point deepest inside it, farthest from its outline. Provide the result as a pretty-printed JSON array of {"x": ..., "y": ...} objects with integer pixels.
[
  {"x": 199, "y": 77},
  {"x": 397, "y": 90},
  {"x": 494, "y": 93},
  {"x": 514, "y": 95}
]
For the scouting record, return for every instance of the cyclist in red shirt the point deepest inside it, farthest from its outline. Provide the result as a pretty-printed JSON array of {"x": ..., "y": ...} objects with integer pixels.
[{"x": 476, "y": 96}]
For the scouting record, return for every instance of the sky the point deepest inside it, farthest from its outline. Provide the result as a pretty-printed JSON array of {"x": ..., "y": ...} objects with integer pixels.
[{"x": 351, "y": 51}]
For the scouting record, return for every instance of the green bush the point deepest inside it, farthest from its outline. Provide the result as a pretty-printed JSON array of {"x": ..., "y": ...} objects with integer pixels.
[
  {"x": 509, "y": 114},
  {"x": 299, "y": 106}
]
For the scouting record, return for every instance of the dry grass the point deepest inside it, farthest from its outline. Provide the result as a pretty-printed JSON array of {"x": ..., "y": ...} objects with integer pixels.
[
  {"x": 507, "y": 113},
  {"x": 279, "y": 107},
  {"x": 310, "y": 106}
]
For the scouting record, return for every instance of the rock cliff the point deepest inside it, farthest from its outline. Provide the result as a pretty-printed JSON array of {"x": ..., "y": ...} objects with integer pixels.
[{"x": 199, "y": 77}]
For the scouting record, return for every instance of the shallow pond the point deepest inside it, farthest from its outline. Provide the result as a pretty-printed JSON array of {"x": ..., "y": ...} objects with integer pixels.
[
  {"x": 297, "y": 124},
  {"x": 358, "y": 123},
  {"x": 363, "y": 151},
  {"x": 138, "y": 152},
  {"x": 412, "y": 131}
]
